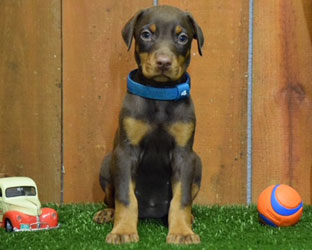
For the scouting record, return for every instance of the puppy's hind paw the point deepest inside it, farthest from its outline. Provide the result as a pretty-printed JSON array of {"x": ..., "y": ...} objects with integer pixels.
[{"x": 104, "y": 216}]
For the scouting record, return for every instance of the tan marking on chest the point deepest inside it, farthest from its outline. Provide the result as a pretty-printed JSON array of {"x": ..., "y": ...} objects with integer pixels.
[
  {"x": 135, "y": 129},
  {"x": 182, "y": 132}
]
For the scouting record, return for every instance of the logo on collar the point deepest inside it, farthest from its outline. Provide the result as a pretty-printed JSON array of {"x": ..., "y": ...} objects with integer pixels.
[{"x": 180, "y": 91}]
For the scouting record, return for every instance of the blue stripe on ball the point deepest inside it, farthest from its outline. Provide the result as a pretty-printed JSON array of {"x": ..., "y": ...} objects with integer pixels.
[
  {"x": 266, "y": 220},
  {"x": 278, "y": 208}
]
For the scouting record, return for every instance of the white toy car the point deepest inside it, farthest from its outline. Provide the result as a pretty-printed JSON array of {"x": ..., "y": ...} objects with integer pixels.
[{"x": 20, "y": 208}]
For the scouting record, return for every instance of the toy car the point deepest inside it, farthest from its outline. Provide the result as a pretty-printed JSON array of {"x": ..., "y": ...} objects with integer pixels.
[{"x": 20, "y": 208}]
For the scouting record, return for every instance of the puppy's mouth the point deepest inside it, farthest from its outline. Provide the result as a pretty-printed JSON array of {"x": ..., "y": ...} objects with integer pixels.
[{"x": 161, "y": 78}]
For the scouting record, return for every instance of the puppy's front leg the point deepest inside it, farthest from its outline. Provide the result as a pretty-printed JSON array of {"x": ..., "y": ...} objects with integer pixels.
[
  {"x": 186, "y": 182},
  {"x": 126, "y": 205}
]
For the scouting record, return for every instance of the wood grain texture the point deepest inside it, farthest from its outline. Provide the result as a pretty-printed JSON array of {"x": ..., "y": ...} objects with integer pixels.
[
  {"x": 96, "y": 65},
  {"x": 30, "y": 93},
  {"x": 219, "y": 91},
  {"x": 220, "y": 99},
  {"x": 282, "y": 96}
]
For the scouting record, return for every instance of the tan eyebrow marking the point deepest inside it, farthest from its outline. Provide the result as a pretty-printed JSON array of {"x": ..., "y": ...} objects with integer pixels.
[
  {"x": 153, "y": 28},
  {"x": 178, "y": 29}
]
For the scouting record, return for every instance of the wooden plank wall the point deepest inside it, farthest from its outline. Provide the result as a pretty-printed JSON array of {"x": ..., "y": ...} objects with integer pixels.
[
  {"x": 219, "y": 93},
  {"x": 94, "y": 67},
  {"x": 283, "y": 96},
  {"x": 96, "y": 63},
  {"x": 30, "y": 93}
]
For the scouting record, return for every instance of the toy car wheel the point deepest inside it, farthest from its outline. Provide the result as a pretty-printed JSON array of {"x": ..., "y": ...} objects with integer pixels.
[{"x": 8, "y": 226}]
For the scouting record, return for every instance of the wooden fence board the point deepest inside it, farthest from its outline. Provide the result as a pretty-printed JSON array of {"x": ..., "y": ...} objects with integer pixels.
[
  {"x": 30, "y": 93},
  {"x": 96, "y": 64},
  {"x": 282, "y": 96},
  {"x": 219, "y": 90}
]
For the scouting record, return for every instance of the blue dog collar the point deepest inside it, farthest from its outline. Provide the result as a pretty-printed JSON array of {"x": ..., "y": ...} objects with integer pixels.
[{"x": 178, "y": 92}]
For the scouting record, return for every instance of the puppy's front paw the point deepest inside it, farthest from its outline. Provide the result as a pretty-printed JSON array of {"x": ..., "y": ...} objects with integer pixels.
[
  {"x": 114, "y": 238},
  {"x": 183, "y": 239},
  {"x": 104, "y": 216}
]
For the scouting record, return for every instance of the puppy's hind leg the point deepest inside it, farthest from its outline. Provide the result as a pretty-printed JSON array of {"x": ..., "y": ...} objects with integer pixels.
[{"x": 106, "y": 215}]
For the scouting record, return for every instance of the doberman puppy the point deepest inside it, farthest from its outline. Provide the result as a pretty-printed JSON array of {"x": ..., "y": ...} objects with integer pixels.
[{"x": 153, "y": 171}]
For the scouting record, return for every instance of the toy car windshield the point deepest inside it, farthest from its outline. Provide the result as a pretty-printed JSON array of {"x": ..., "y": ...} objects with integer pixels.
[{"x": 20, "y": 191}]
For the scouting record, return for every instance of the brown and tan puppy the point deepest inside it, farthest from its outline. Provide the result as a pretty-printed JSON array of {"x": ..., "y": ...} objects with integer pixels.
[{"x": 153, "y": 171}]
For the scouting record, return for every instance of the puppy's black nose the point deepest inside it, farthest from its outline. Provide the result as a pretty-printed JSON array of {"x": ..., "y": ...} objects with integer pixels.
[{"x": 163, "y": 62}]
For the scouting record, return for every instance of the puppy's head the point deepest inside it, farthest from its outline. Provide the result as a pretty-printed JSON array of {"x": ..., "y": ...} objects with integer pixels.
[{"x": 163, "y": 37}]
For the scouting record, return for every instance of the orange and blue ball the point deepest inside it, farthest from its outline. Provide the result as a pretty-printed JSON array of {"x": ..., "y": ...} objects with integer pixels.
[{"x": 280, "y": 206}]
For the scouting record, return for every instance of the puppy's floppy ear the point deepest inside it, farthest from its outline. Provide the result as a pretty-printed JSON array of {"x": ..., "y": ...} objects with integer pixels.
[
  {"x": 128, "y": 30},
  {"x": 198, "y": 34}
]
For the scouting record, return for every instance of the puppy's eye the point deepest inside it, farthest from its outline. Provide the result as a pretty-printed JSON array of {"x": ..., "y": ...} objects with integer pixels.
[
  {"x": 146, "y": 35},
  {"x": 182, "y": 38}
]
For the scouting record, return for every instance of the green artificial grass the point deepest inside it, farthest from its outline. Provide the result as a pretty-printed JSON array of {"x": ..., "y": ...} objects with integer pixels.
[{"x": 234, "y": 227}]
